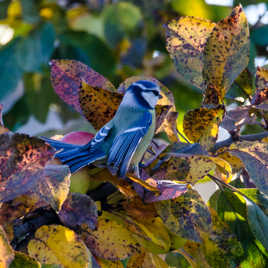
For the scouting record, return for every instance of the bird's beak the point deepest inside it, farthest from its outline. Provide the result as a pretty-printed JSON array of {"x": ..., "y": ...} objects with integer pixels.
[{"x": 160, "y": 96}]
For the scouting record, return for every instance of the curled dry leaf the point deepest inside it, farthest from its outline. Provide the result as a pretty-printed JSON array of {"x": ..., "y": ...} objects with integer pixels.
[
  {"x": 56, "y": 244},
  {"x": 77, "y": 210},
  {"x": 6, "y": 251},
  {"x": 202, "y": 125},
  {"x": 66, "y": 78}
]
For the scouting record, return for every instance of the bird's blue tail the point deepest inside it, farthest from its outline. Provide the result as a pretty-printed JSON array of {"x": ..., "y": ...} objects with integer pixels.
[{"x": 75, "y": 156}]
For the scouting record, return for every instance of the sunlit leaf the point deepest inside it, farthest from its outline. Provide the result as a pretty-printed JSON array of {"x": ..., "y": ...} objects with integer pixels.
[
  {"x": 227, "y": 51},
  {"x": 245, "y": 81},
  {"x": 6, "y": 251},
  {"x": 146, "y": 260},
  {"x": 111, "y": 240},
  {"x": 79, "y": 209},
  {"x": 66, "y": 77},
  {"x": 185, "y": 216},
  {"x": 254, "y": 156},
  {"x": 186, "y": 40},
  {"x": 202, "y": 125},
  {"x": 231, "y": 208},
  {"x": 98, "y": 105},
  {"x": 56, "y": 244}
]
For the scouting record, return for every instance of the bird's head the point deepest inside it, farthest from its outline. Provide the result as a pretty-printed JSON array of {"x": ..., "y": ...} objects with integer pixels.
[{"x": 146, "y": 92}]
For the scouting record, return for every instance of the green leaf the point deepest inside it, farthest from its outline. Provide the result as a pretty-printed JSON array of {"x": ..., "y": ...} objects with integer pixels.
[
  {"x": 22, "y": 260},
  {"x": 258, "y": 222},
  {"x": 11, "y": 72},
  {"x": 36, "y": 48},
  {"x": 260, "y": 35},
  {"x": 3, "y": 8},
  {"x": 120, "y": 19},
  {"x": 231, "y": 208},
  {"x": 89, "y": 49},
  {"x": 30, "y": 10}
]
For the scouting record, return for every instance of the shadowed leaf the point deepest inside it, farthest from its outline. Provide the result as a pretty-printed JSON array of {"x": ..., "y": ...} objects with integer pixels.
[
  {"x": 6, "y": 251},
  {"x": 111, "y": 240},
  {"x": 254, "y": 156},
  {"x": 79, "y": 209},
  {"x": 258, "y": 222},
  {"x": 261, "y": 94},
  {"x": 2, "y": 127},
  {"x": 234, "y": 119},
  {"x": 66, "y": 78},
  {"x": 59, "y": 245},
  {"x": 186, "y": 40},
  {"x": 53, "y": 186},
  {"x": 245, "y": 82},
  {"x": 24, "y": 168},
  {"x": 202, "y": 125},
  {"x": 185, "y": 216},
  {"x": 22, "y": 161},
  {"x": 227, "y": 51}
]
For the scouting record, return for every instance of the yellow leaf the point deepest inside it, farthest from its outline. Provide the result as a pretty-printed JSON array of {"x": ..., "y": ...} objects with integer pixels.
[
  {"x": 186, "y": 40},
  {"x": 109, "y": 264},
  {"x": 98, "y": 105},
  {"x": 56, "y": 244},
  {"x": 112, "y": 240},
  {"x": 227, "y": 51},
  {"x": 202, "y": 125},
  {"x": 6, "y": 251},
  {"x": 146, "y": 260}
]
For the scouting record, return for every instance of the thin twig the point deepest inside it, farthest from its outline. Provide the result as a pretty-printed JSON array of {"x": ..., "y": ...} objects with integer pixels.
[{"x": 230, "y": 187}]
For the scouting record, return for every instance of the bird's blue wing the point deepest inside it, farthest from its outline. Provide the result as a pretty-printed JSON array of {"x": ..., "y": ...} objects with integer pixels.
[
  {"x": 126, "y": 143},
  {"x": 78, "y": 156}
]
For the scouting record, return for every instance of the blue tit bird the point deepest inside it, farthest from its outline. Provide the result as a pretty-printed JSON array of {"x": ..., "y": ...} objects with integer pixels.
[{"x": 122, "y": 142}]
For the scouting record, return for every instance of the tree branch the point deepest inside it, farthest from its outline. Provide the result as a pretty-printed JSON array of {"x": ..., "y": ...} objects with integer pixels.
[{"x": 229, "y": 141}]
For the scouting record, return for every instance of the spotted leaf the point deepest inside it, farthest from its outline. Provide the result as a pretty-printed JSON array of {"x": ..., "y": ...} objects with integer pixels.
[
  {"x": 227, "y": 51},
  {"x": 66, "y": 78},
  {"x": 202, "y": 125},
  {"x": 6, "y": 251},
  {"x": 56, "y": 244},
  {"x": 186, "y": 41}
]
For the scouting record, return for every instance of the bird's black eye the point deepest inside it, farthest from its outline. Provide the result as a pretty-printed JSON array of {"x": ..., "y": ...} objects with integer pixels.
[{"x": 156, "y": 93}]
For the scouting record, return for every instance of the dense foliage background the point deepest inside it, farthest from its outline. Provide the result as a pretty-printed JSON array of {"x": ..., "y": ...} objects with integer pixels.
[
  {"x": 50, "y": 218},
  {"x": 116, "y": 38}
]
